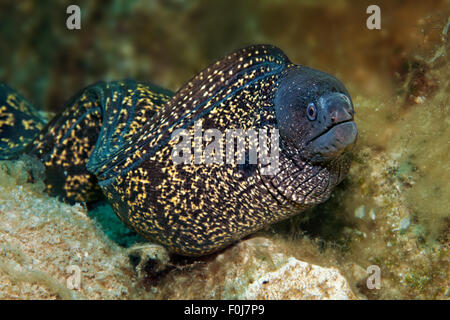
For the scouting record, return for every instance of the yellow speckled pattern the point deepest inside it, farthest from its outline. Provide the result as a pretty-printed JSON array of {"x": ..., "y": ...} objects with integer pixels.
[
  {"x": 19, "y": 122},
  {"x": 117, "y": 136},
  {"x": 197, "y": 209},
  {"x": 68, "y": 140}
]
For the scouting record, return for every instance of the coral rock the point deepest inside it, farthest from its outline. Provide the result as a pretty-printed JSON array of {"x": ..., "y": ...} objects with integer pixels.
[
  {"x": 300, "y": 280},
  {"x": 256, "y": 269}
]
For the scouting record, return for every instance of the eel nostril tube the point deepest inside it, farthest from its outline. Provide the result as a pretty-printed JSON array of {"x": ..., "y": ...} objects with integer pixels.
[{"x": 333, "y": 116}]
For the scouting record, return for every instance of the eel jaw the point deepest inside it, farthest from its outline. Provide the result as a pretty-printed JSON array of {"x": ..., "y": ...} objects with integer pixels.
[{"x": 333, "y": 142}]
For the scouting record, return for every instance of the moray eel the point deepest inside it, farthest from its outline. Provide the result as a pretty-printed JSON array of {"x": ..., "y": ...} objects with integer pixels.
[{"x": 115, "y": 138}]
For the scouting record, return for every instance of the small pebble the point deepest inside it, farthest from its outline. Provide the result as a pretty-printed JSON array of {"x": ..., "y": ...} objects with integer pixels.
[
  {"x": 360, "y": 212},
  {"x": 372, "y": 214},
  {"x": 405, "y": 223}
]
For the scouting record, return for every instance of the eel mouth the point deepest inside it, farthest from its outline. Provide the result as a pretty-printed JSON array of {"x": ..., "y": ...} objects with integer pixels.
[{"x": 334, "y": 141}]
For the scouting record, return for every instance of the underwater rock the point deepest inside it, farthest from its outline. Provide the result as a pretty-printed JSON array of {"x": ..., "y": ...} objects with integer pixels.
[
  {"x": 255, "y": 269},
  {"x": 300, "y": 281},
  {"x": 44, "y": 243},
  {"x": 284, "y": 277}
]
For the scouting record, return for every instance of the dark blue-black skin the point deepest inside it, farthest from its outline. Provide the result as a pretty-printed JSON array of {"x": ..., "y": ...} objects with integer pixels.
[
  {"x": 115, "y": 138},
  {"x": 322, "y": 105}
]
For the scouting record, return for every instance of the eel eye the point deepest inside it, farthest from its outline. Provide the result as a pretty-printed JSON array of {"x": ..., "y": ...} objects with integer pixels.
[{"x": 311, "y": 111}]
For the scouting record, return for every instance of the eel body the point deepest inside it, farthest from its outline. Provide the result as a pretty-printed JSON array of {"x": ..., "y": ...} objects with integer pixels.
[{"x": 117, "y": 139}]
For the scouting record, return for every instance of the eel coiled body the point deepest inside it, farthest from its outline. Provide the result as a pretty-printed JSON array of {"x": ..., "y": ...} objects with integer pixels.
[{"x": 117, "y": 137}]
